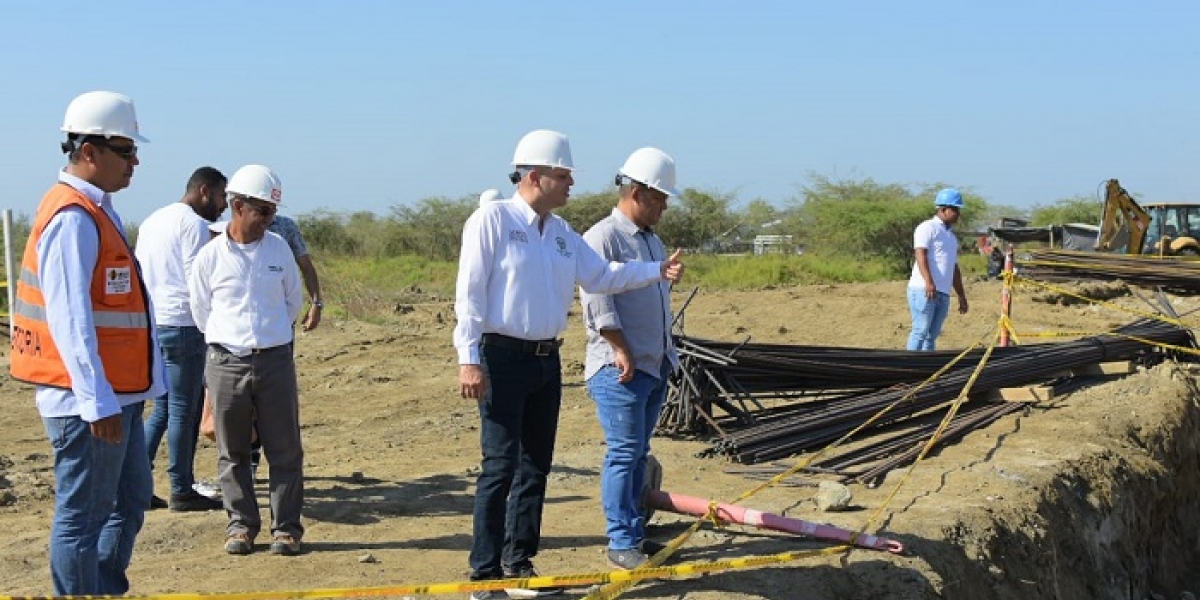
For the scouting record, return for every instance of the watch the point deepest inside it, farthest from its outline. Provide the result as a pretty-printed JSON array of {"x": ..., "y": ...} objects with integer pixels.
[{"x": 318, "y": 304}]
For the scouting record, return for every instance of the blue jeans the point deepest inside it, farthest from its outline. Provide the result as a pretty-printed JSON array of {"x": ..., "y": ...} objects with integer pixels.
[
  {"x": 102, "y": 491},
  {"x": 628, "y": 413},
  {"x": 177, "y": 413},
  {"x": 927, "y": 318},
  {"x": 519, "y": 415}
]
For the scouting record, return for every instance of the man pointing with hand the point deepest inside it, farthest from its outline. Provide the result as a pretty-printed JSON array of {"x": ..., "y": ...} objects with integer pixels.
[{"x": 517, "y": 274}]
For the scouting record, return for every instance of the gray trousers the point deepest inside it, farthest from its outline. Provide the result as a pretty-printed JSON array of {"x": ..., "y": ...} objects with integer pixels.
[{"x": 258, "y": 387}]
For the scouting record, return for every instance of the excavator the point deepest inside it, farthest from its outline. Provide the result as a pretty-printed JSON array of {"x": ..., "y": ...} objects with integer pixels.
[{"x": 1160, "y": 228}]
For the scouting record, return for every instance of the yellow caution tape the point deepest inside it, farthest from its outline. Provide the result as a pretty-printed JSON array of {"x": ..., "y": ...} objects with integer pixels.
[
  {"x": 1107, "y": 304},
  {"x": 684, "y": 569}
]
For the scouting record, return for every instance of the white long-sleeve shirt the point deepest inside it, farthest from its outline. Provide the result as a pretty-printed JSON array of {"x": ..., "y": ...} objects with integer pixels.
[
  {"x": 168, "y": 240},
  {"x": 518, "y": 281},
  {"x": 67, "y": 253},
  {"x": 245, "y": 296}
]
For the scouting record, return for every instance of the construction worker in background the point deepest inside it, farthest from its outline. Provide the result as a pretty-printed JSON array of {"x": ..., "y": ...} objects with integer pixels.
[
  {"x": 244, "y": 290},
  {"x": 287, "y": 228},
  {"x": 83, "y": 333},
  {"x": 167, "y": 242},
  {"x": 630, "y": 352},
  {"x": 517, "y": 274},
  {"x": 935, "y": 272}
]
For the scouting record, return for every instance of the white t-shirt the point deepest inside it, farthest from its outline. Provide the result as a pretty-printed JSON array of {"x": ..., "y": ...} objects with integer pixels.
[
  {"x": 246, "y": 296},
  {"x": 941, "y": 249},
  {"x": 168, "y": 241}
]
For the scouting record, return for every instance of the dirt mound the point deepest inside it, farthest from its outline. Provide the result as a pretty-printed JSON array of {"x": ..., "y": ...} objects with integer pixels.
[{"x": 1090, "y": 495}]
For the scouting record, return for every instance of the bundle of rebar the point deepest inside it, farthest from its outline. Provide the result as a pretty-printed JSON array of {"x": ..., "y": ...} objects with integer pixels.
[
  {"x": 868, "y": 462},
  {"x": 1174, "y": 273},
  {"x": 835, "y": 390},
  {"x": 738, "y": 377}
]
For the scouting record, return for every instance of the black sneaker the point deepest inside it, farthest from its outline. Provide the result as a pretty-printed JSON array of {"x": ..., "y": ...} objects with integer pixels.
[
  {"x": 627, "y": 560},
  {"x": 527, "y": 571},
  {"x": 651, "y": 547},
  {"x": 193, "y": 501},
  {"x": 157, "y": 503}
]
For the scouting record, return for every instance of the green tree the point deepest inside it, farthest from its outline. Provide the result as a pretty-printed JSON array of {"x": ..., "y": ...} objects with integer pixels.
[
  {"x": 1076, "y": 209},
  {"x": 697, "y": 217},
  {"x": 865, "y": 218},
  {"x": 432, "y": 229},
  {"x": 325, "y": 231},
  {"x": 585, "y": 210},
  {"x": 761, "y": 216}
]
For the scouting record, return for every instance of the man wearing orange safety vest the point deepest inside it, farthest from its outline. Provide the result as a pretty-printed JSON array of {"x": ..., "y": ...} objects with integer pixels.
[{"x": 83, "y": 333}]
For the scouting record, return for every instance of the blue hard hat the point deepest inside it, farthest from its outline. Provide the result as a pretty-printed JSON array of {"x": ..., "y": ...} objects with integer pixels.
[{"x": 949, "y": 197}]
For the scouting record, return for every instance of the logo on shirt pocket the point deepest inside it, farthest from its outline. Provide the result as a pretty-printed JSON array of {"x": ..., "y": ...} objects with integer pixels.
[{"x": 562, "y": 247}]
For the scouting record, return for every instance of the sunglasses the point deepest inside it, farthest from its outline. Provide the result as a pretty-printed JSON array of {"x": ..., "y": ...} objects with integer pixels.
[
  {"x": 263, "y": 210},
  {"x": 125, "y": 152}
]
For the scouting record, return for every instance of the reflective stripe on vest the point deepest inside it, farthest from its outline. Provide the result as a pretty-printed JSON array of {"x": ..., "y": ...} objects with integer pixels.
[
  {"x": 117, "y": 320},
  {"x": 119, "y": 307}
]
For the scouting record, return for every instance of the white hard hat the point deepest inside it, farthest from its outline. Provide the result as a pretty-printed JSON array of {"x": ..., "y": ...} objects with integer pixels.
[
  {"x": 543, "y": 148},
  {"x": 652, "y": 167},
  {"x": 490, "y": 196},
  {"x": 102, "y": 113},
  {"x": 256, "y": 181}
]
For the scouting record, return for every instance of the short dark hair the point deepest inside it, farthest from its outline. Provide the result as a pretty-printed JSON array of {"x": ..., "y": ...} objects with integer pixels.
[
  {"x": 71, "y": 147},
  {"x": 205, "y": 176}
]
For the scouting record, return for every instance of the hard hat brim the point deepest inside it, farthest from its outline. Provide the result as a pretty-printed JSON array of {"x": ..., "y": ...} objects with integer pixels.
[
  {"x": 137, "y": 137},
  {"x": 668, "y": 191}
]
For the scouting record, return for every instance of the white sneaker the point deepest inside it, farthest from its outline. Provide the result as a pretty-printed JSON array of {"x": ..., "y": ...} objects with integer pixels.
[{"x": 207, "y": 488}]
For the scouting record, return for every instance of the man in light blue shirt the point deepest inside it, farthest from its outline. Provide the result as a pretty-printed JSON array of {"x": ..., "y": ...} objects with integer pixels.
[
  {"x": 630, "y": 352},
  {"x": 102, "y": 474}
]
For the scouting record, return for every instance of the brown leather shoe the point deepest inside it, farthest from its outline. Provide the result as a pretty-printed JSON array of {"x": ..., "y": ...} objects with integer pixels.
[
  {"x": 285, "y": 545},
  {"x": 239, "y": 543}
]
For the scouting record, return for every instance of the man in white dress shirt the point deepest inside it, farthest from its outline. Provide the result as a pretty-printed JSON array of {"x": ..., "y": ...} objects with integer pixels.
[
  {"x": 516, "y": 281},
  {"x": 245, "y": 294}
]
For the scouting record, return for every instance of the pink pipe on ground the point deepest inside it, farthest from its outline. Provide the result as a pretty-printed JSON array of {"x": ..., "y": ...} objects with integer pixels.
[{"x": 733, "y": 513}]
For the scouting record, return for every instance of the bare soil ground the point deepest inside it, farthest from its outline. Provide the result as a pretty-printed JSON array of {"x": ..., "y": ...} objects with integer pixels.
[{"x": 1092, "y": 495}]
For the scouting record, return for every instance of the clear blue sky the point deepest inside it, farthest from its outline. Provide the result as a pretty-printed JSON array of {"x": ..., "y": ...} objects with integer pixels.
[{"x": 361, "y": 105}]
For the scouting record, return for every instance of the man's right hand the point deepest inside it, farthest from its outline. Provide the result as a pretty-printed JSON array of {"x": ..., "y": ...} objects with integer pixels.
[
  {"x": 624, "y": 365},
  {"x": 672, "y": 268},
  {"x": 108, "y": 429},
  {"x": 930, "y": 290},
  {"x": 471, "y": 381}
]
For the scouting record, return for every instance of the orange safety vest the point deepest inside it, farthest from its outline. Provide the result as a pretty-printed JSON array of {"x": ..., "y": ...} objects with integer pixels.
[{"x": 120, "y": 311}]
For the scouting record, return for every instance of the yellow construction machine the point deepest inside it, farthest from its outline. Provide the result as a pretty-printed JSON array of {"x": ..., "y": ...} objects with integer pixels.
[{"x": 1161, "y": 228}]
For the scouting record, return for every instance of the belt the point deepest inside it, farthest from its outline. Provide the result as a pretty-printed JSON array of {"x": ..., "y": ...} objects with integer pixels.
[
  {"x": 535, "y": 347},
  {"x": 220, "y": 348}
]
